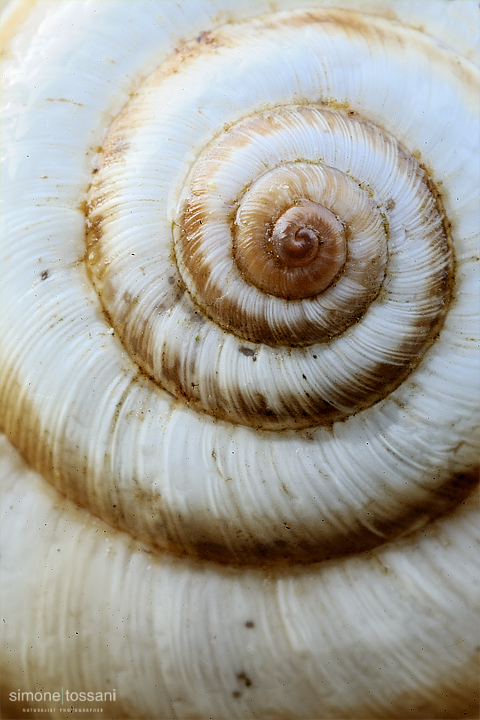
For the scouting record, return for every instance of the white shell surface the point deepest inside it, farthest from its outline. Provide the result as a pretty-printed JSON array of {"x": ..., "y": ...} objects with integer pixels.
[
  {"x": 108, "y": 408},
  {"x": 176, "y": 638},
  {"x": 177, "y": 479}
]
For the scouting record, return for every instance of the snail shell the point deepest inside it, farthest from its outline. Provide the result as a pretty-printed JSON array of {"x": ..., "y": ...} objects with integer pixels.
[{"x": 239, "y": 365}]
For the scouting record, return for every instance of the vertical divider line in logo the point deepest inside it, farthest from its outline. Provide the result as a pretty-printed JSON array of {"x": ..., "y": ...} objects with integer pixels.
[{"x": 62, "y": 695}]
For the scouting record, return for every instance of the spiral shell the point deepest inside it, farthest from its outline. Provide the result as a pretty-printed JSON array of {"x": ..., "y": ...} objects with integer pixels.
[{"x": 241, "y": 252}]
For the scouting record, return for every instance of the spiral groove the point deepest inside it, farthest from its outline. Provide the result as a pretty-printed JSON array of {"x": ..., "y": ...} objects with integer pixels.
[
  {"x": 181, "y": 221},
  {"x": 239, "y": 194},
  {"x": 241, "y": 347}
]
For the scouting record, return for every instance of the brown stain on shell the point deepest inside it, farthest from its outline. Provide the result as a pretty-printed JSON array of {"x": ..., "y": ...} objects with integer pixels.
[
  {"x": 175, "y": 377},
  {"x": 278, "y": 551},
  {"x": 44, "y": 450},
  {"x": 253, "y": 409},
  {"x": 256, "y": 412},
  {"x": 215, "y": 302}
]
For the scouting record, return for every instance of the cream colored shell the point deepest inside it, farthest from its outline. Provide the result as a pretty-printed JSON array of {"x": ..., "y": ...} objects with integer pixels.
[{"x": 275, "y": 513}]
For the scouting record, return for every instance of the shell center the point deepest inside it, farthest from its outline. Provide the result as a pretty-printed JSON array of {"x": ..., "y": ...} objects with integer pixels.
[{"x": 309, "y": 232}]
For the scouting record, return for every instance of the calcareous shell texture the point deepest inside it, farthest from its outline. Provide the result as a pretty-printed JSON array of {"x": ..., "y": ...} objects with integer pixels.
[{"x": 239, "y": 365}]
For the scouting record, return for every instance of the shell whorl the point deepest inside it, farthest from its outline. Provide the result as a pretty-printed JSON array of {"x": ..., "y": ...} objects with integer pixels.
[
  {"x": 152, "y": 303},
  {"x": 244, "y": 313},
  {"x": 329, "y": 336}
]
